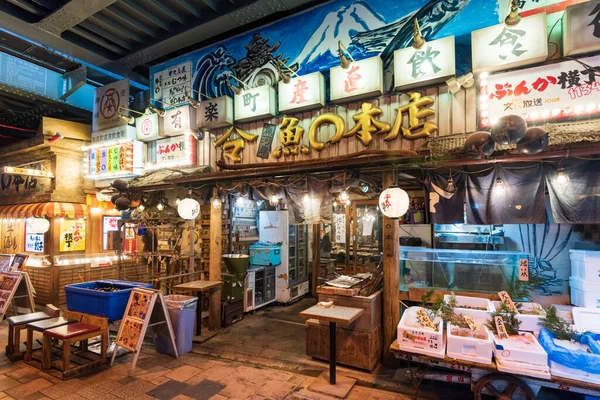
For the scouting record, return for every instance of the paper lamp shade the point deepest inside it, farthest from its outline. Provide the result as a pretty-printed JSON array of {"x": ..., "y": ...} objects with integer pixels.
[
  {"x": 38, "y": 225},
  {"x": 188, "y": 209},
  {"x": 104, "y": 195},
  {"x": 393, "y": 202}
]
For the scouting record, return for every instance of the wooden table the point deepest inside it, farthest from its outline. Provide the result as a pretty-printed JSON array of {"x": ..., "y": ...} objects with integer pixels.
[
  {"x": 334, "y": 315},
  {"x": 199, "y": 287}
]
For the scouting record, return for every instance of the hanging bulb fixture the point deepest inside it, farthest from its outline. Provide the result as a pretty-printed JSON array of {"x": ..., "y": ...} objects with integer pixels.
[
  {"x": 178, "y": 200},
  {"x": 216, "y": 202},
  {"x": 240, "y": 201},
  {"x": 141, "y": 207},
  {"x": 499, "y": 189},
  {"x": 348, "y": 202},
  {"x": 450, "y": 187},
  {"x": 335, "y": 203},
  {"x": 160, "y": 206},
  {"x": 344, "y": 195},
  {"x": 274, "y": 200},
  {"x": 306, "y": 199},
  {"x": 561, "y": 178}
]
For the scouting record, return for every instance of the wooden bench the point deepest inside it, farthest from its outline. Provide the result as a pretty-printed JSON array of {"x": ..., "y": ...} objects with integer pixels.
[
  {"x": 42, "y": 326},
  {"x": 18, "y": 323},
  {"x": 81, "y": 360}
]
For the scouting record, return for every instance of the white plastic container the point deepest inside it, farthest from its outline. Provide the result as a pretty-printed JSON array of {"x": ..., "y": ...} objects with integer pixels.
[
  {"x": 523, "y": 351},
  {"x": 479, "y": 316},
  {"x": 586, "y": 319},
  {"x": 542, "y": 372},
  {"x": 418, "y": 339},
  {"x": 571, "y": 373},
  {"x": 584, "y": 294},
  {"x": 529, "y": 322},
  {"x": 585, "y": 265},
  {"x": 469, "y": 348}
]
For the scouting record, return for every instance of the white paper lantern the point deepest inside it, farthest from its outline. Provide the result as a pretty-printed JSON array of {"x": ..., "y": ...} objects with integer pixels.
[
  {"x": 188, "y": 209},
  {"x": 393, "y": 202},
  {"x": 37, "y": 225},
  {"x": 104, "y": 195}
]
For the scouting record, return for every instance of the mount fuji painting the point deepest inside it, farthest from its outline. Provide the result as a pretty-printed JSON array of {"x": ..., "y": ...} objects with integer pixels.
[{"x": 308, "y": 42}]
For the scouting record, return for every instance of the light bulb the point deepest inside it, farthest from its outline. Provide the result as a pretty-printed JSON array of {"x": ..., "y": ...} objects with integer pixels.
[
  {"x": 306, "y": 199},
  {"x": 561, "y": 178},
  {"x": 141, "y": 207},
  {"x": 499, "y": 189},
  {"x": 348, "y": 202},
  {"x": 160, "y": 206},
  {"x": 335, "y": 203},
  {"x": 274, "y": 200},
  {"x": 177, "y": 201},
  {"x": 344, "y": 195},
  {"x": 450, "y": 187},
  {"x": 216, "y": 202},
  {"x": 240, "y": 201}
]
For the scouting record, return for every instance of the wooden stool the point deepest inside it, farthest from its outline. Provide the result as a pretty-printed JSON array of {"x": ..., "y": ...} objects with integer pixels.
[
  {"x": 18, "y": 323},
  {"x": 91, "y": 326},
  {"x": 42, "y": 326}
]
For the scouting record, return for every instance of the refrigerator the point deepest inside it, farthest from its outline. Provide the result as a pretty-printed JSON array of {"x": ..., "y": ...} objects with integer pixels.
[{"x": 292, "y": 274}]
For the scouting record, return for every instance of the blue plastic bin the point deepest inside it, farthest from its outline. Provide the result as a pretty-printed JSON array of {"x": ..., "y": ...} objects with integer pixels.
[
  {"x": 182, "y": 312},
  {"x": 83, "y": 298},
  {"x": 263, "y": 255}
]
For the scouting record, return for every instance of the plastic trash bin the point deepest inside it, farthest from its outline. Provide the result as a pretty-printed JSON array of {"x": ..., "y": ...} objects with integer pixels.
[{"x": 182, "y": 311}]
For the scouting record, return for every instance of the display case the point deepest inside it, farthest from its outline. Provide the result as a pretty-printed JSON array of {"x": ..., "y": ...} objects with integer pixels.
[{"x": 459, "y": 270}]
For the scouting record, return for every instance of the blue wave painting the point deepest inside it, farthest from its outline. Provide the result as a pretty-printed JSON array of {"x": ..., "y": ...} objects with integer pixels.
[{"x": 308, "y": 42}]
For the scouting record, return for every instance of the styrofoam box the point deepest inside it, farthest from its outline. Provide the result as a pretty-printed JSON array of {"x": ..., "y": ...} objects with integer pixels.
[
  {"x": 585, "y": 265},
  {"x": 584, "y": 294},
  {"x": 529, "y": 322},
  {"x": 520, "y": 369},
  {"x": 565, "y": 312},
  {"x": 478, "y": 315},
  {"x": 533, "y": 355},
  {"x": 586, "y": 319},
  {"x": 571, "y": 373},
  {"x": 469, "y": 348},
  {"x": 421, "y": 340}
]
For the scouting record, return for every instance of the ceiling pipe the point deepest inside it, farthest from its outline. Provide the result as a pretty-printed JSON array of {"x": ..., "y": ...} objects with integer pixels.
[{"x": 16, "y": 128}]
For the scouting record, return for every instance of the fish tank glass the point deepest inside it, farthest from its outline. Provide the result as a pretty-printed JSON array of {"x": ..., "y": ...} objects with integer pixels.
[{"x": 459, "y": 270}]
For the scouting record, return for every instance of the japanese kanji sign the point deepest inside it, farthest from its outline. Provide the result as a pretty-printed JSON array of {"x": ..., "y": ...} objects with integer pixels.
[
  {"x": 173, "y": 83},
  {"x": 215, "y": 113},
  {"x": 178, "y": 120},
  {"x": 122, "y": 159},
  {"x": 501, "y": 47},
  {"x": 148, "y": 128},
  {"x": 581, "y": 28},
  {"x": 256, "y": 103},
  {"x": 432, "y": 63},
  {"x": 115, "y": 134},
  {"x": 361, "y": 79},
  {"x": 302, "y": 93},
  {"x": 72, "y": 235},
  {"x": 107, "y": 100},
  {"x": 554, "y": 91},
  {"x": 34, "y": 242},
  {"x": 266, "y": 140},
  {"x": 175, "y": 151}
]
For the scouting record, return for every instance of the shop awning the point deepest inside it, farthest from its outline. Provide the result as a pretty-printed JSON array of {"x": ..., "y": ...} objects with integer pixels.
[{"x": 51, "y": 209}]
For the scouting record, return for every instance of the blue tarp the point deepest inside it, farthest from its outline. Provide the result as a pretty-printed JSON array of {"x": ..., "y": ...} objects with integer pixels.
[{"x": 588, "y": 362}]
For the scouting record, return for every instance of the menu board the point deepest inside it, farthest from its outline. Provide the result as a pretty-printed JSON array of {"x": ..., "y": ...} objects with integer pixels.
[
  {"x": 172, "y": 84},
  {"x": 5, "y": 261}
]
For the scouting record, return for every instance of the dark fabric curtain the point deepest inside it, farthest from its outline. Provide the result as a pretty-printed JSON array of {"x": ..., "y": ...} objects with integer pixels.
[
  {"x": 446, "y": 207},
  {"x": 578, "y": 200},
  {"x": 317, "y": 210},
  {"x": 521, "y": 203}
]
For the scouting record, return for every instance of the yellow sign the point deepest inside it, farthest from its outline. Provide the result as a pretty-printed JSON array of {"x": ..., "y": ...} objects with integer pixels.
[{"x": 72, "y": 235}]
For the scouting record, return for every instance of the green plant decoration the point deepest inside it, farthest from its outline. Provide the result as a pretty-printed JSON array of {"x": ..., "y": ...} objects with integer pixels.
[
  {"x": 557, "y": 325},
  {"x": 511, "y": 322}
]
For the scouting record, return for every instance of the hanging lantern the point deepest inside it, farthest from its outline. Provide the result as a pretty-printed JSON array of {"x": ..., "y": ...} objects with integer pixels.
[
  {"x": 393, "y": 202},
  {"x": 104, "y": 195},
  {"x": 38, "y": 225},
  {"x": 188, "y": 209}
]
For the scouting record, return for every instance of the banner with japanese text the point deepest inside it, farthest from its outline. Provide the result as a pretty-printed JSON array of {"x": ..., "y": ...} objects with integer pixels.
[{"x": 72, "y": 235}]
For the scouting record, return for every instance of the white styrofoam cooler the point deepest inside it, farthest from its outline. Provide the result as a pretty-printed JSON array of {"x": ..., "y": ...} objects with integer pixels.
[
  {"x": 479, "y": 316},
  {"x": 542, "y": 372},
  {"x": 584, "y": 294},
  {"x": 529, "y": 322},
  {"x": 585, "y": 265},
  {"x": 469, "y": 348},
  {"x": 421, "y": 340},
  {"x": 571, "y": 373},
  {"x": 586, "y": 319},
  {"x": 531, "y": 357}
]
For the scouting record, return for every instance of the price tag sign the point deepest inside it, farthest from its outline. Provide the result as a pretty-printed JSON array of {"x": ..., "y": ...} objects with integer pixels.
[
  {"x": 502, "y": 334},
  {"x": 424, "y": 319},
  {"x": 507, "y": 301},
  {"x": 524, "y": 269},
  {"x": 470, "y": 322}
]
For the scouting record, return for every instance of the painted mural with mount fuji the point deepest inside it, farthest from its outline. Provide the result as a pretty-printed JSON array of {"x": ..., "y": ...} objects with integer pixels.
[{"x": 308, "y": 42}]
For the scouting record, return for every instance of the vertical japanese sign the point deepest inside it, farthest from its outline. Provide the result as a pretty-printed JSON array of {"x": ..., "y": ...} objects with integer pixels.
[
  {"x": 432, "y": 63},
  {"x": 549, "y": 92},
  {"x": 266, "y": 140},
  {"x": 12, "y": 234},
  {"x": 302, "y": 93},
  {"x": 501, "y": 47},
  {"x": 581, "y": 28},
  {"x": 173, "y": 83},
  {"x": 254, "y": 104},
  {"x": 114, "y": 160},
  {"x": 175, "y": 151},
  {"x": 34, "y": 242},
  {"x": 339, "y": 227},
  {"x": 361, "y": 79},
  {"x": 215, "y": 113},
  {"x": 178, "y": 120},
  {"x": 72, "y": 235},
  {"x": 148, "y": 128},
  {"x": 107, "y": 100}
]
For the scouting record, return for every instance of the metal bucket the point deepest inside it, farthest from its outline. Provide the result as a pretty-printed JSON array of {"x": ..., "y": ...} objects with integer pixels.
[{"x": 236, "y": 263}]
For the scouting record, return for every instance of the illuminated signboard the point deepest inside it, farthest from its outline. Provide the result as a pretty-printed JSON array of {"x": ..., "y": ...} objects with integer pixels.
[
  {"x": 432, "y": 63},
  {"x": 107, "y": 101},
  {"x": 175, "y": 151},
  {"x": 179, "y": 120},
  {"x": 361, "y": 79},
  {"x": 121, "y": 159},
  {"x": 554, "y": 91},
  {"x": 115, "y": 134},
  {"x": 215, "y": 113},
  {"x": 302, "y": 93},
  {"x": 148, "y": 128},
  {"x": 501, "y": 47},
  {"x": 581, "y": 28},
  {"x": 256, "y": 103}
]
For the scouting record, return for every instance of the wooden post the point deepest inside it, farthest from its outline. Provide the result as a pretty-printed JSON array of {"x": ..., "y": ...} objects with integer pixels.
[
  {"x": 214, "y": 269},
  {"x": 391, "y": 279},
  {"x": 316, "y": 261}
]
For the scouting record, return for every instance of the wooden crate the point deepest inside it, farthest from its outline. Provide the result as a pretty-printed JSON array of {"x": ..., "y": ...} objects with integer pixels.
[
  {"x": 354, "y": 348},
  {"x": 372, "y": 306}
]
